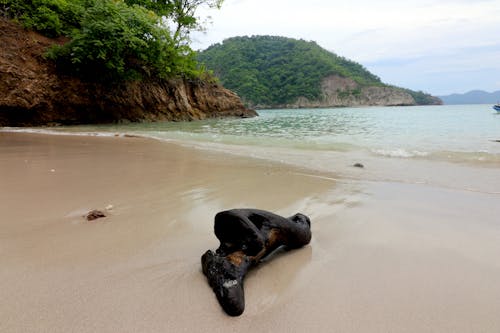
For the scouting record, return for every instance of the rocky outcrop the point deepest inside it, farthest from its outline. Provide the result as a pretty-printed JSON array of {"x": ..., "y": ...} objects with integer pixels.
[
  {"x": 32, "y": 92},
  {"x": 339, "y": 91}
]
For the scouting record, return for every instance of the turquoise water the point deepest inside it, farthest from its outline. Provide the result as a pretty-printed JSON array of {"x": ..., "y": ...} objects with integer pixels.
[
  {"x": 449, "y": 146},
  {"x": 451, "y": 132}
]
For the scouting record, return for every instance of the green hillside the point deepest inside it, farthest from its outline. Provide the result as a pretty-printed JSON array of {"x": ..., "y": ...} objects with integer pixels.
[
  {"x": 110, "y": 40},
  {"x": 271, "y": 70}
]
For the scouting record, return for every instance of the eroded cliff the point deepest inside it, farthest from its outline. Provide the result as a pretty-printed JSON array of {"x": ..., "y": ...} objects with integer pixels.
[
  {"x": 32, "y": 92},
  {"x": 338, "y": 91}
]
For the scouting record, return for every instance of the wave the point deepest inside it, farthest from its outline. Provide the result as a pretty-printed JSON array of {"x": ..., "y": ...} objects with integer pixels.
[
  {"x": 316, "y": 144},
  {"x": 479, "y": 157},
  {"x": 474, "y": 171},
  {"x": 399, "y": 152},
  {"x": 63, "y": 132},
  {"x": 476, "y": 157}
]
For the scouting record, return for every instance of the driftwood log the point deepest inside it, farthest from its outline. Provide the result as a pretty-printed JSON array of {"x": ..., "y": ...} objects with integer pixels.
[{"x": 246, "y": 236}]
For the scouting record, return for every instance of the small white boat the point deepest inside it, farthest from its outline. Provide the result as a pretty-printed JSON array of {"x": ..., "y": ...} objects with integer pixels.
[{"x": 497, "y": 107}]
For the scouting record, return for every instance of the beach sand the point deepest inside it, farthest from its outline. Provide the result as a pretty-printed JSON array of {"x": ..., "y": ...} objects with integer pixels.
[{"x": 385, "y": 256}]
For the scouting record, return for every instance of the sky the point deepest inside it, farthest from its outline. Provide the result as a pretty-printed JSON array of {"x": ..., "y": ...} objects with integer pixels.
[{"x": 437, "y": 46}]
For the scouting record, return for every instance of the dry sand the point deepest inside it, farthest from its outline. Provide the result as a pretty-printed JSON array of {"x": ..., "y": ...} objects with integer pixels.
[{"x": 385, "y": 257}]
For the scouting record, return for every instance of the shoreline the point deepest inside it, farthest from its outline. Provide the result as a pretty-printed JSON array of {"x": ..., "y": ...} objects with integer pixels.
[
  {"x": 385, "y": 256},
  {"x": 462, "y": 175}
]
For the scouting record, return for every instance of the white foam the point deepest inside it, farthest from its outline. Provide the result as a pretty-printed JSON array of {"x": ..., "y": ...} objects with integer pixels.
[
  {"x": 399, "y": 152},
  {"x": 64, "y": 132}
]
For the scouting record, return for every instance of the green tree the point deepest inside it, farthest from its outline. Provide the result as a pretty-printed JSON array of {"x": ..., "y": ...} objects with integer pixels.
[
  {"x": 180, "y": 13},
  {"x": 114, "y": 40},
  {"x": 120, "y": 42}
]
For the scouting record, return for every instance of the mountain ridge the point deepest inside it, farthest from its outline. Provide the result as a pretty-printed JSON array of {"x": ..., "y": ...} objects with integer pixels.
[
  {"x": 475, "y": 96},
  {"x": 281, "y": 72}
]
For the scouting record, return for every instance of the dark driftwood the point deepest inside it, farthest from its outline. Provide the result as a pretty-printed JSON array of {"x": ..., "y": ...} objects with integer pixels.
[{"x": 247, "y": 236}]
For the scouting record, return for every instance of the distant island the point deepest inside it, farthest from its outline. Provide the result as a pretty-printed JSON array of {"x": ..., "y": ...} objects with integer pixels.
[
  {"x": 280, "y": 72},
  {"x": 472, "y": 97}
]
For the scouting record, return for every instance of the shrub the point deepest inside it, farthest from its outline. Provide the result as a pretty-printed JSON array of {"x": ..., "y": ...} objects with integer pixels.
[
  {"x": 50, "y": 17},
  {"x": 110, "y": 40},
  {"x": 119, "y": 42}
]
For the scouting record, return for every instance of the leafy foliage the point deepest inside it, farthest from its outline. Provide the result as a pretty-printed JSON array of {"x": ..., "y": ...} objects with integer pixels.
[
  {"x": 269, "y": 70},
  {"x": 50, "y": 17},
  {"x": 119, "y": 42},
  {"x": 179, "y": 13},
  {"x": 114, "y": 40}
]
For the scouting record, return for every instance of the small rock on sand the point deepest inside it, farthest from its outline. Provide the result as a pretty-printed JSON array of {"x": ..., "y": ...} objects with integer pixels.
[{"x": 94, "y": 214}]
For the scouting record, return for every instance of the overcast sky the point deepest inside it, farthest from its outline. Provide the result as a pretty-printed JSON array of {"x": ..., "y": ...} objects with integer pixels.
[{"x": 438, "y": 46}]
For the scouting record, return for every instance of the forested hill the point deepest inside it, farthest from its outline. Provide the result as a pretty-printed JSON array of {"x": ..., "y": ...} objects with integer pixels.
[{"x": 271, "y": 71}]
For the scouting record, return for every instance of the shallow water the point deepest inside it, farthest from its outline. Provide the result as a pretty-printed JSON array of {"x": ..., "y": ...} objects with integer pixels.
[
  {"x": 451, "y": 132},
  {"x": 404, "y": 144}
]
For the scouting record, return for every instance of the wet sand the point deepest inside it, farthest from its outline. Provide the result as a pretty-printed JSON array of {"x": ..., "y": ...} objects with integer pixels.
[{"x": 385, "y": 257}]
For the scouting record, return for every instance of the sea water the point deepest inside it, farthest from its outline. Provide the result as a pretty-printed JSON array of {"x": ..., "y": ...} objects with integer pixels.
[
  {"x": 332, "y": 139},
  {"x": 453, "y": 132}
]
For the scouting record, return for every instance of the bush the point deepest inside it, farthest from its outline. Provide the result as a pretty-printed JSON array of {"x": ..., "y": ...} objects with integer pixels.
[
  {"x": 50, "y": 17},
  {"x": 110, "y": 40},
  {"x": 119, "y": 42}
]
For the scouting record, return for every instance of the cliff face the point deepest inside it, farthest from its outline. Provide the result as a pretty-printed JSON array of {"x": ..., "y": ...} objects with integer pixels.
[
  {"x": 339, "y": 91},
  {"x": 345, "y": 92},
  {"x": 33, "y": 93}
]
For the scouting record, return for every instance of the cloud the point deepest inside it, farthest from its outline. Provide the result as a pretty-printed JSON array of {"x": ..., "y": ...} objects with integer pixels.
[
  {"x": 445, "y": 73},
  {"x": 431, "y": 35}
]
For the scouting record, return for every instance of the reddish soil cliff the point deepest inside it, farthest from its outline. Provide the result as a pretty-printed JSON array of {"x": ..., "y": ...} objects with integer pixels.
[{"x": 32, "y": 92}]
